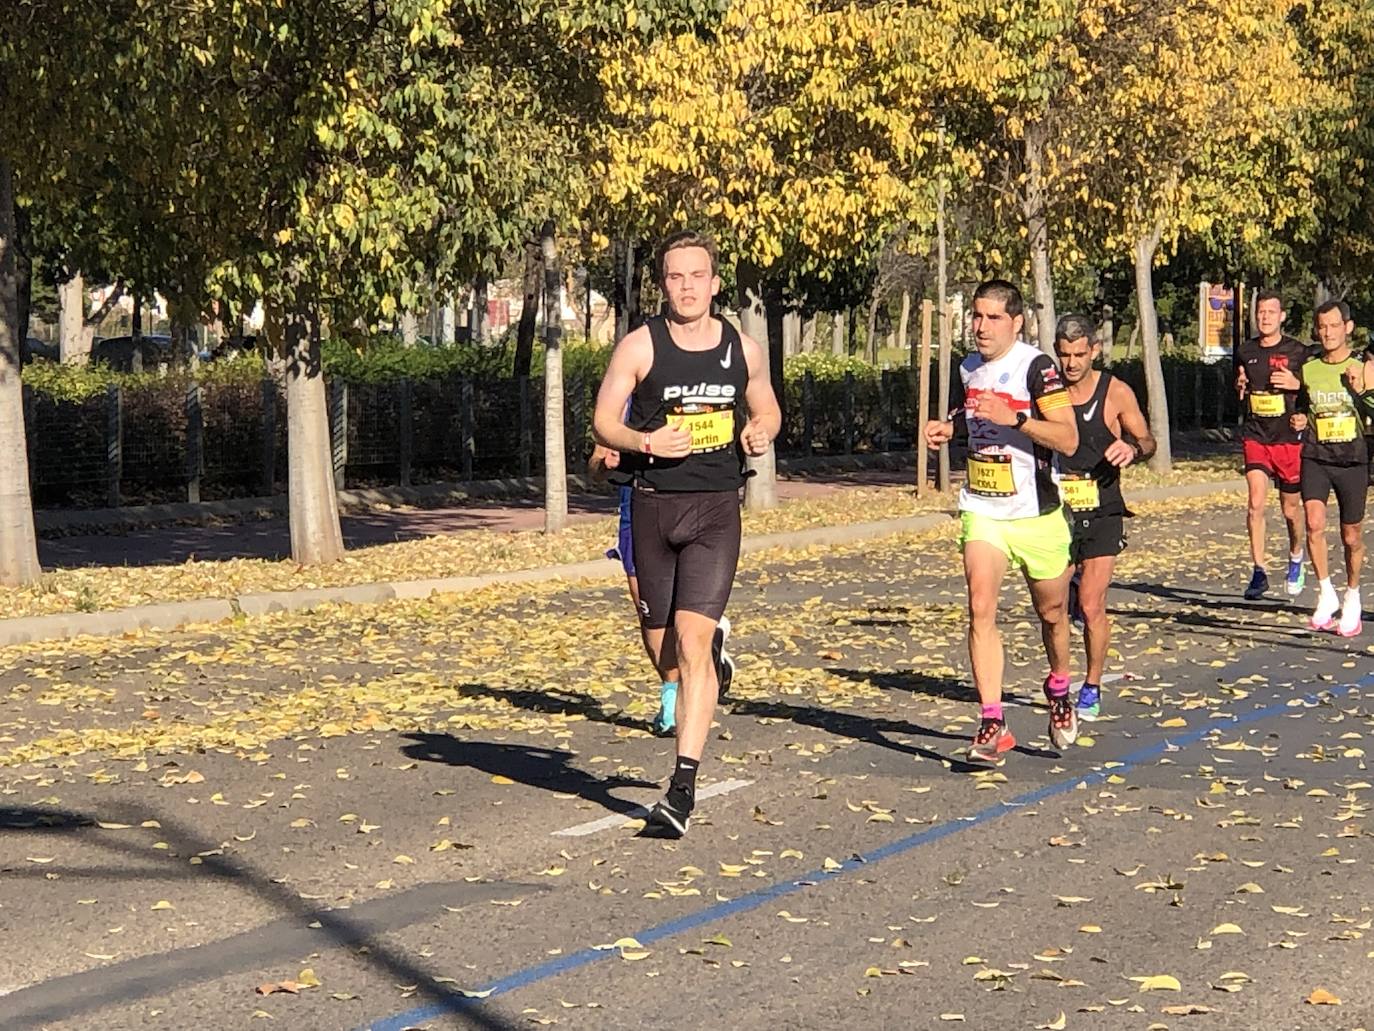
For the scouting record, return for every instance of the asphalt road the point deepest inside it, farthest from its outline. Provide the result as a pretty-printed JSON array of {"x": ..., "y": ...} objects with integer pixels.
[{"x": 428, "y": 809}]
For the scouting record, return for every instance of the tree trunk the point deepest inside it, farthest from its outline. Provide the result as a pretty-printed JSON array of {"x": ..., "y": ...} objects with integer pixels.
[
  {"x": 944, "y": 324},
  {"x": 761, "y": 489},
  {"x": 18, "y": 543},
  {"x": 477, "y": 322},
  {"x": 410, "y": 329},
  {"x": 529, "y": 311},
  {"x": 624, "y": 251},
  {"x": 791, "y": 333},
  {"x": 1149, "y": 346},
  {"x": 555, "y": 461},
  {"x": 1038, "y": 239},
  {"x": 903, "y": 324},
  {"x": 808, "y": 335},
  {"x": 316, "y": 538},
  {"x": 181, "y": 328},
  {"x": 1107, "y": 334},
  {"x": 871, "y": 340},
  {"x": 23, "y": 274},
  {"x": 74, "y": 342},
  {"x": 837, "y": 344}
]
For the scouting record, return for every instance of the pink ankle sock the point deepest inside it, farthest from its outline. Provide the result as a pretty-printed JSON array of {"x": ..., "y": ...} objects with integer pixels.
[
  {"x": 993, "y": 711},
  {"x": 1057, "y": 685}
]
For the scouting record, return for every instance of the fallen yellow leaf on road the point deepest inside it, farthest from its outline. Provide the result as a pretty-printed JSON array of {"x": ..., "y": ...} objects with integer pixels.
[{"x": 1158, "y": 983}]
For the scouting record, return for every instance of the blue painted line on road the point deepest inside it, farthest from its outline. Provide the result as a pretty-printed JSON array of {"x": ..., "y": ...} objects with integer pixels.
[{"x": 755, "y": 899}]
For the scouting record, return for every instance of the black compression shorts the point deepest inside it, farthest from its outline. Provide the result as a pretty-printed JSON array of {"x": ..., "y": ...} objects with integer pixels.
[
  {"x": 1096, "y": 537},
  {"x": 686, "y": 547},
  {"x": 1350, "y": 482}
]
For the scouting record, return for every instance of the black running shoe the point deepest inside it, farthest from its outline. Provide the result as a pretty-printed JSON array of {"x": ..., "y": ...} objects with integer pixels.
[
  {"x": 725, "y": 666},
  {"x": 668, "y": 818},
  {"x": 1259, "y": 585}
]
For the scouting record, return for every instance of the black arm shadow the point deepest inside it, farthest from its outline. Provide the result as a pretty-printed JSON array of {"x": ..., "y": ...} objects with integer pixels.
[
  {"x": 68, "y": 996},
  {"x": 544, "y": 768}
]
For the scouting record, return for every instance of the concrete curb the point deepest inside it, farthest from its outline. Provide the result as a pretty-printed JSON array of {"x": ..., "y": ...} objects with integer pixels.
[{"x": 172, "y": 615}]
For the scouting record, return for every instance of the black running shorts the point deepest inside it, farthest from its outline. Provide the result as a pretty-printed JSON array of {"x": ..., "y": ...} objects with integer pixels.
[
  {"x": 1096, "y": 537},
  {"x": 1350, "y": 482},
  {"x": 686, "y": 550}
]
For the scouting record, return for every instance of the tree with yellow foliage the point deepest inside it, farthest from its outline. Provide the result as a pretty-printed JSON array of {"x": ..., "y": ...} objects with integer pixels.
[
  {"x": 1203, "y": 131},
  {"x": 798, "y": 133}
]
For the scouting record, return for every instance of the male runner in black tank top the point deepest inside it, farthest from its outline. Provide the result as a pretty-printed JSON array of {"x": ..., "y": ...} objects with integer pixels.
[
  {"x": 1090, "y": 483},
  {"x": 683, "y": 444}
]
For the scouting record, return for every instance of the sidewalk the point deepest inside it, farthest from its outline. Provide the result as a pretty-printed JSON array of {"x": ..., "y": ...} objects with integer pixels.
[
  {"x": 208, "y": 609},
  {"x": 271, "y": 539}
]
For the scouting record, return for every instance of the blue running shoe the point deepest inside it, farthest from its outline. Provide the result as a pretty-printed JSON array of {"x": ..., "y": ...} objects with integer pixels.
[
  {"x": 1259, "y": 585},
  {"x": 665, "y": 723},
  {"x": 1089, "y": 703},
  {"x": 1297, "y": 576}
]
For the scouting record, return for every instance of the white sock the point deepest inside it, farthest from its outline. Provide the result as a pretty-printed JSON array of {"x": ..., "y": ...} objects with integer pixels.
[
  {"x": 1295, "y": 556},
  {"x": 1353, "y": 592}
]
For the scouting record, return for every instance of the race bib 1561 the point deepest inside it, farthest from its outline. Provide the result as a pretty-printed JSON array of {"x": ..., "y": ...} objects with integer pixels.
[
  {"x": 1080, "y": 492},
  {"x": 1266, "y": 406},
  {"x": 990, "y": 476}
]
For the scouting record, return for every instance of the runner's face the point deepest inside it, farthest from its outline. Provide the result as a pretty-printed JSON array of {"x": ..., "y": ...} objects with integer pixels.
[
  {"x": 994, "y": 331},
  {"x": 1075, "y": 358},
  {"x": 688, "y": 282},
  {"x": 1269, "y": 317},
  {"x": 1332, "y": 330}
]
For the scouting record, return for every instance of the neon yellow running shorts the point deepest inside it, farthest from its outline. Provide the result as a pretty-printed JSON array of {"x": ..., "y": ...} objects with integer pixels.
[{"x": 1037, "y": 544}]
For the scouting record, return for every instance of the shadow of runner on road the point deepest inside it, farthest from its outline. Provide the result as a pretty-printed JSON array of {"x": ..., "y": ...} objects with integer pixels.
[
  {"x": 558, "y": 702},
  {"x": 545, "y": 768},
  {"x": 868, "y": 729},
  {"x": 303, "y": 927},
  {"x": 954, "y": 689}
]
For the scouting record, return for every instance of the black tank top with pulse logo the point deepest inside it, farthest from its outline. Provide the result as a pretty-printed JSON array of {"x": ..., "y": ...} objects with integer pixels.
[
  {"x": 1088, "y": 483},
  {"x": 705, "y": 391}
]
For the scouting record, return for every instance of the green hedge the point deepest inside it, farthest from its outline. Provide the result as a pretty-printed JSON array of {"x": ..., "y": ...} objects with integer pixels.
[{"x": 383, "y": 361}]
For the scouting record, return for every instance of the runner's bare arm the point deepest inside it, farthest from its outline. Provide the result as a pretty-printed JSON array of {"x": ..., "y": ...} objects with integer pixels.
[
  {"x": 1133, "y": 423},
  {"x": 629, "y": 364},
  {"x": 603, "y": 460},
  {"x": 1056, "y": 429},
  {"x": 938, "y": 432},
  {"x": 765, "y": 417}
]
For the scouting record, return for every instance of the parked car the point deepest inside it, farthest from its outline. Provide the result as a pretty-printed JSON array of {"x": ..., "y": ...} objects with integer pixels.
[
  {"x": 35, "y": 348},
  {"x": 120, "y": 354}
]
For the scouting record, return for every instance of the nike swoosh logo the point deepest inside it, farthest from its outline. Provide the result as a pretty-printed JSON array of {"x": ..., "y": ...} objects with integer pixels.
[
  {"x": 729, "y": 348},
  {"x": 1092, "y": 410}
]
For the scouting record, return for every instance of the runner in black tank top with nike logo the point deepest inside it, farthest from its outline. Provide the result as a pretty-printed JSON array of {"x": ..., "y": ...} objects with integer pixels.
[
  {"x": 688, "y": 379},
  {"x": 1112, "y": 433}
]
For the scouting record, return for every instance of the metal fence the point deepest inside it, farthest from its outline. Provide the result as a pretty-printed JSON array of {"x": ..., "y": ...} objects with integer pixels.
[{"x": 175, "y": 440}]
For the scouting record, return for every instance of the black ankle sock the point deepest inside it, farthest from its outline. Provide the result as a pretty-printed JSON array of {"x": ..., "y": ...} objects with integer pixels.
[{"x": 684, "y": 782}]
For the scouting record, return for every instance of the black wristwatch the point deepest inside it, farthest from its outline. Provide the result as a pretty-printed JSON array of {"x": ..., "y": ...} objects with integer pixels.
[{"x": 1021, "y": 419}]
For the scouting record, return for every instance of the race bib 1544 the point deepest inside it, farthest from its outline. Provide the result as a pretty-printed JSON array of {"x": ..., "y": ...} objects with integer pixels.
[{"x": 712, "y": 427}]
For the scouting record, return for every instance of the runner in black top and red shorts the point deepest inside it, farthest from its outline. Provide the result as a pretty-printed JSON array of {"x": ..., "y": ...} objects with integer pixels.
[
  {"x": 1112, "y": 433},
  {"x": 1267, "y": 382},
  {"x": 685, "y": 377}
]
